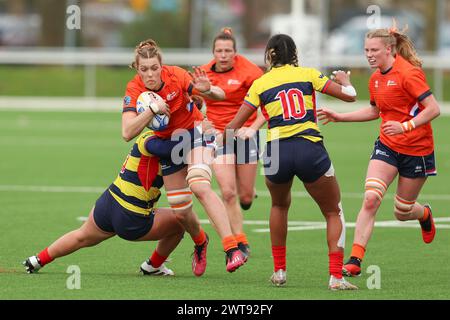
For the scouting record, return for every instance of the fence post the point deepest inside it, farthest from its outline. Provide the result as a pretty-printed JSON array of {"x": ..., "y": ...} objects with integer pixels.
[{"x": 90, "y": 81}]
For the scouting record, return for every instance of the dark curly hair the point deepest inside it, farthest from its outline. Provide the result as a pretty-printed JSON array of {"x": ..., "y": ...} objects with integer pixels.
[{"x": 281, "y": 50}]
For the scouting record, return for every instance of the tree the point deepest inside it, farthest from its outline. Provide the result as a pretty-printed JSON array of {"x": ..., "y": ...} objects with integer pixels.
[
  {"x": 167, "y": 28},
  {"x": 53, "y": 17}
]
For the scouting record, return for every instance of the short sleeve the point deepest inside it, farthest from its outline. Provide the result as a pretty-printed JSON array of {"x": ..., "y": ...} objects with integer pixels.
[
  {"x": 130, "y": 98},
  {"x": 252, "y": 98},
  {"x": 372, "y": 97},
  {"x": 319, "y": 81},
  {"x": 142, "y": 142},
  {"x": 186, "y": 81},
  {"x": 415, "y": 83}
]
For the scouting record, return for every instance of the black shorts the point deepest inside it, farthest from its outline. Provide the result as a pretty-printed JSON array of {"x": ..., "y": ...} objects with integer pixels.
[
  {"x": 172, "y": 152},
  {"x": 296, "y": 157},
  {"x": 408, "y": 166},
  {"x": 110, "y": 216},
  {"x": 246, "y": 151}
]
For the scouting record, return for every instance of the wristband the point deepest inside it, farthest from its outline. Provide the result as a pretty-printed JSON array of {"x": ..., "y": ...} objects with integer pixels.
[
  {"x": 349, "y": 90},
  {"x": 408, "y": 126}
]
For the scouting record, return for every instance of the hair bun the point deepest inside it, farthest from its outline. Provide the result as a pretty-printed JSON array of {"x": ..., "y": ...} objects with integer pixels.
[{"x": 227, "y": 30}]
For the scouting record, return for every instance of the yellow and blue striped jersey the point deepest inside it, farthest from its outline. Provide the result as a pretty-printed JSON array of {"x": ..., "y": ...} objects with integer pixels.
[
  {"x": 287, "y": 99},
  {"x": 136, "y": 188}
]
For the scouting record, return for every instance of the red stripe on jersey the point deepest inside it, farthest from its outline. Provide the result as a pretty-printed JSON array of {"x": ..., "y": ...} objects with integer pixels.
[
  {"x": 148, "y": 170},
  {"x": 325, "y": 87}
]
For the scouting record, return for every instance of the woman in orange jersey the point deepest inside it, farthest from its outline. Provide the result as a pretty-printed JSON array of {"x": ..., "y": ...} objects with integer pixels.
[
  {"x": 184, "y": 152},
  {"x": 126, "y": 209},
  {"x": 236, "y": 162},
  {"x": 287, "y": 97},
  {"x": 400, "y": 95}
]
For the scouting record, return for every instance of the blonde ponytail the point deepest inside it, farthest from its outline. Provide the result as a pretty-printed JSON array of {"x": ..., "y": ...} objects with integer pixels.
[{"x": 399, "y": 42}]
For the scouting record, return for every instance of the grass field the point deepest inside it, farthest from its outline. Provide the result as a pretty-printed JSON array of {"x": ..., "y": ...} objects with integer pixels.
[{"x": 54, "y": 166}]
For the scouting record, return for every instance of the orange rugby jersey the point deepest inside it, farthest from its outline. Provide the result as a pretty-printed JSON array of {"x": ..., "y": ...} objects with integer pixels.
[
  {"x": 176, "y": 88},
  {"x": 235, "y": 83},
  {"x": 398, "y": 94}
]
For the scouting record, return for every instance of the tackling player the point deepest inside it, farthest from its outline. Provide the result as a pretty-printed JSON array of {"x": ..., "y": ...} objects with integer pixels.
[{"x": 127, "y": 209}]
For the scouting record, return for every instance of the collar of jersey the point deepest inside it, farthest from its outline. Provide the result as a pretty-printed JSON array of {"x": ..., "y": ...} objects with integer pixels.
[{"x": 213, "y": 69}]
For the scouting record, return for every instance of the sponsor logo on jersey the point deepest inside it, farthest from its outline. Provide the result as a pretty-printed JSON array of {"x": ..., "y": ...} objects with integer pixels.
[
  {"x": 391, "y": 83},
  {"x": 172, "y": 95},
  {"x": 233, "y": 82}
]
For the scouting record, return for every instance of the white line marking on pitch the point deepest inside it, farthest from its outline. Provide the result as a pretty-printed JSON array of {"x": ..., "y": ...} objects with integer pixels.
[{"x": 317, "y": 225}]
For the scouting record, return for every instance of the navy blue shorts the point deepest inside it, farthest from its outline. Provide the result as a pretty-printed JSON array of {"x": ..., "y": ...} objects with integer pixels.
[
  {"x": 110, "y": 216},
  {"x": 296, "y": 157},
  {"x": 172, "y": 152},
  {"x": 408, "y": 166},
  {"x": 246, "y": 151}
]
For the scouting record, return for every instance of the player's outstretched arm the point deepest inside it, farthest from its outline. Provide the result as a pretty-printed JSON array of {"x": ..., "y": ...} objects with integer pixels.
[
  {"x": 341, "y": 87},
  {"x": 248, "y": 132},
  {"x": 203, "y": 85},
  {"x": 238, "y": 121},
  {"x": 327, "y": 115}
]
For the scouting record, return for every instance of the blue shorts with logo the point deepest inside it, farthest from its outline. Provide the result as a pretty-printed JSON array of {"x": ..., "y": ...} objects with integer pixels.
[
  {"x": 296, "y": 157},
  {"x": 110, "y": 216},
  {"x": 408, "y": 166},
  {"x": 172, "y": 152},
  {"x": 246, "y": 151}
]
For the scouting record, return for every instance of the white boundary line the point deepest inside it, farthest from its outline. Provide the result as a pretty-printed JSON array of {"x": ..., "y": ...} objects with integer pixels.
[{"x": 316, "y": 225}]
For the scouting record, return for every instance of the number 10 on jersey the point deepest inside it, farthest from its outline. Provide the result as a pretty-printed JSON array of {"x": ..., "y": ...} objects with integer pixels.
[{"x": 292, "y": 103}]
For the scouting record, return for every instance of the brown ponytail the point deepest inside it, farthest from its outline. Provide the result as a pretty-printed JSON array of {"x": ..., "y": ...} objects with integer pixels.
[
  {"x": 146, "y": 49},
  {"x": 225, "y": 34}
]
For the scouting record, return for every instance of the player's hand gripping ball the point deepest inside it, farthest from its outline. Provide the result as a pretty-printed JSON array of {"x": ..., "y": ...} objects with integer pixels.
[{"x": 151, "y": 100}]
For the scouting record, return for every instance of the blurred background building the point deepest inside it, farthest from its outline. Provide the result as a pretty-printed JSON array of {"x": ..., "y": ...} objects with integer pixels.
[
  {"x": 329, "y": 33},
  {"x": 193, "y": 23}
]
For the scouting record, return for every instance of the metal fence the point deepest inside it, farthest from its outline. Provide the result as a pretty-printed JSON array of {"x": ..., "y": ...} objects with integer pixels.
[{"x": 91, "y": 58}]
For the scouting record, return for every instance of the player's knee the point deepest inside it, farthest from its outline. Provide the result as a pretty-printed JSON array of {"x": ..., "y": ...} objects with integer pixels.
[
  {"x": 82, "y": 239},
  {"x": 403, "y": 208},
  {"x": 199, "y": 174},
  {"x": 371, "y": 202},
  {"x": 246, "y": 201},
  {"x": 246, "y": 198},
  {"x": 179, "y": 232},
  {"x": 229, "y": 195},
  {"x": 180, "y": 200},
  {"x": 375, "y": 190},
  {"x": 282, "y": 205}
]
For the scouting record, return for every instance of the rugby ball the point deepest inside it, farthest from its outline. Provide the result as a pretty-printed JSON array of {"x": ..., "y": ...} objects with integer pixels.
[{"x": 159, "y": 121}]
